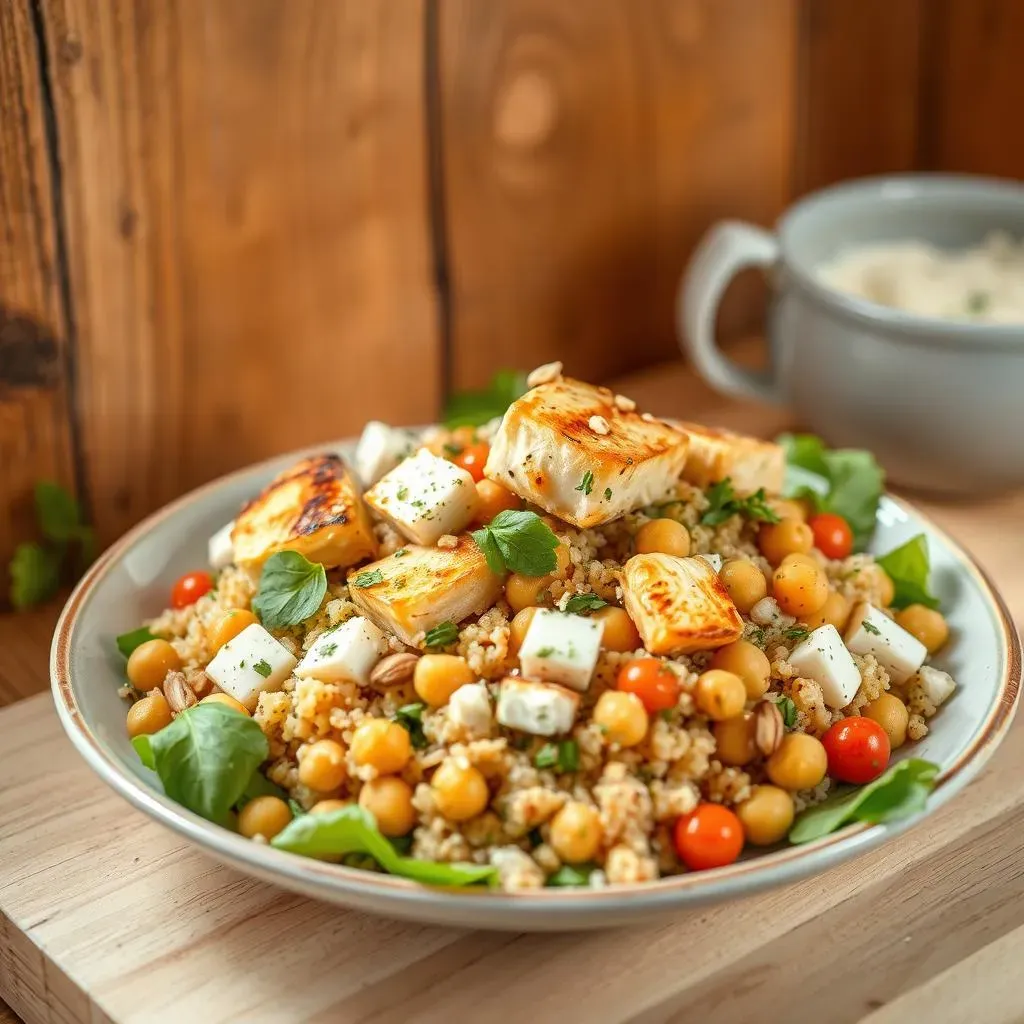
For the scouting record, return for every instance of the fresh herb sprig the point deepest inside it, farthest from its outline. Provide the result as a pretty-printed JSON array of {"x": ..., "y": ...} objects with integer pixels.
[
  {"x": 441, "y": 635},
  {"x": 563, "y": 756},
  {"x": 518, "y": 541},
  {"x": 723, "y": 503},
  {"x": 580, "y": 603}
]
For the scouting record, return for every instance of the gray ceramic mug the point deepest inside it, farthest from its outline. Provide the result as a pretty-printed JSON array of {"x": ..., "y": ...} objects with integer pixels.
[{"x": 940, "y": 402}]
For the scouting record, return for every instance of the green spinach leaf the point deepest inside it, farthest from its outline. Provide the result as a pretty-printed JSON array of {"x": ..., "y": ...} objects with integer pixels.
[
  {"x": 909, "y": 567},
  {"x": 127, "y": 642},
  {"x": 291, "y": 590}
]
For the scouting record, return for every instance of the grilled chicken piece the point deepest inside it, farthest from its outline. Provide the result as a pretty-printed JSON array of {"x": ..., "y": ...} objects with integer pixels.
[
  {"x": 313, "y": 508},
  {"x": 749, "y": 462},
  {"x": 678, "y": 604},
  {"x": 568, "y": 448},
  {"x": 418, "y": 588}
]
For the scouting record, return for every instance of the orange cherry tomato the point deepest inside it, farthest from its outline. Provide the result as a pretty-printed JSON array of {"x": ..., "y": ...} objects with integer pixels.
[
  {"x": 652, "y": 681},
  {"x": 858, "y": 750},
  {"x": 190, "y": 588},
  {"x": 832, "y": 535},
  {"x": 709, "y": 837},
  {"x": 472, "y": 459}
]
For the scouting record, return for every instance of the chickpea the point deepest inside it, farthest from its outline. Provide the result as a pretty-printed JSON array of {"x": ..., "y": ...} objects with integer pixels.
[
  {"x": 150, "y": 662},
  {"x": 460, "y": 790},
  {"x": 148, "y": 715},
  {"x": 518, "y": 628},
  {"x": 263, "y": 816},
  {"x": 745, "y": 583},
  {"x": 327, "y": 806},
  {"x": 720, "y": 695},
  {"x": 619, "y": 632},
  {"x": 526, "y": 591},
  {"x": 576, "y": 832},
  {"x": 492, "y": 498},
  {"x": 892, "y": 715},
  {"x": 878, "y": 579},
  {"x": 227, "y": 700},
  {"x": 622, "y": 717},
  {"x": 799, "y": 763},
  {"x": 927, "y": 625},
  {"x": 787, "y": 508},
  {"x": 663, "y": 536},
  {"x": 381, "y": 744},
  {"x": 776, "y": 540},
  {"x": 229, "y": 626},
  {"x": 389, "y": 800},
  {"x": 734, "y": 740},
  {"x": 747, "y": 661},
  {"x": 835, "y": 610},
  {"x": 766, "y": 815},
  {"x": 437, "y": 676},
  {"x": 799, "y": 587},
  {"x": 322, "y": 766},
  {"x": 563, "y": 563}
]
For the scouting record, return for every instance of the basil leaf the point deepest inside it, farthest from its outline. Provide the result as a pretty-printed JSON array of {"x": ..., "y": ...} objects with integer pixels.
[
  {"x": 442, "y": 635},
  {"x": 206, "y": 758},
  {"x": 291, "y": 590},
  {"x": 898, "y": 793},
  {"x": 352, "y": 830},
  {"x": 909, "y": 567},
  {"x": 127, "y": 642},
  {"x": 522, "y": 540},
  {"x": 474, "y": 408},
  {"x": 410, "y": 717},
  {"x": 35, "y": 574},
  {"x": 579, "y": 603},
  {"x": 724, "y": 504},
  {"x": 571, "y": 875},
  {"x": 788, "y": 711}
]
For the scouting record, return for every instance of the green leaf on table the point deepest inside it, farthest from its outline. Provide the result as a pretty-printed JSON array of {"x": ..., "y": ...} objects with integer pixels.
[
  {"x": 723, "y": 504},
  {"x": 352, "y": 830},
  {"x": 206, "y": 758},
  {"x": 474, "y": 408},
  {"x": 518, "y": 541},
  {"x": 35, "y": 574},
  {"x": 898, "y": 793},
  {"x": 290, "y": 591},
  {"x": 909, "y": 567},
  {"x": 127, "y": 642}
]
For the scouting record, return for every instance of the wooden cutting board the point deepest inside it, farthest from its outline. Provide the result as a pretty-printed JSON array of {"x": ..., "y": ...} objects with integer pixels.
[{"x": 105, "y": 916}]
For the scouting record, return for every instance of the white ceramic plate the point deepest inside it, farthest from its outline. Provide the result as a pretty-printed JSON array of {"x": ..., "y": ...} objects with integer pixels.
[{"x": 131, "y": 581}]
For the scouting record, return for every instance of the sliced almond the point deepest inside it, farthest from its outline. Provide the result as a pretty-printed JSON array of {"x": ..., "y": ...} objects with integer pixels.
[
  {"x": 624, "y": 404},
  {"x": 768, "y": 727},
  {"x": 545, "y": 374},
  {"x": 394, "y": 670},
  {"x": 599, "y": 425}
]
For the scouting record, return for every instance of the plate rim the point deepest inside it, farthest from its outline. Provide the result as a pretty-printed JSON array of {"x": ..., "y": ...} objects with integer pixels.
[{"x": 341, "y": 884}]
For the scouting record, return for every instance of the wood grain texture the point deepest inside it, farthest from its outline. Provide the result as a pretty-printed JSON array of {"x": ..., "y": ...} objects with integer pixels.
[
  {"x": 247, "y": 224},
  {"x": 974, "y": 87},
  {"x": 858, "y": 89},
  {"x": 35, "y": 437},
  {"x": 586, "y": 147}
]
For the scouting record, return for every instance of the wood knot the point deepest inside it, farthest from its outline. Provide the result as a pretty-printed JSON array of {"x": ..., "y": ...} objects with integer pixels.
[
  {"x": 526, "y": 111},
  {"x": 29, "y": 352}
]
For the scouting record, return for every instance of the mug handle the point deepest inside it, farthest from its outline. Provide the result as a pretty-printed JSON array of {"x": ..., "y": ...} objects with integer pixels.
[{"x": 724, "y": 251}]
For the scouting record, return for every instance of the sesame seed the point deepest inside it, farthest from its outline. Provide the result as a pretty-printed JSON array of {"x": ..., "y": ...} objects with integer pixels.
[
  {"x": 624, "y": 404},
  {"x": 599, "y": 425}
]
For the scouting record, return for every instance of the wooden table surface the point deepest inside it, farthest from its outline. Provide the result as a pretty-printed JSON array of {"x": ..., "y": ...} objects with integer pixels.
[{"x": 930, "y": 925}]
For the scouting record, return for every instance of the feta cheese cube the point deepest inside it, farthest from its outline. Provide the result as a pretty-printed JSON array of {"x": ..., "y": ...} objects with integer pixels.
[
  {"x": 541, "y": 709},
  {"x": 425, "y": 497},
  {"x": 871, "y": 631},
  {"x": 347, "y": 652},
  {"x": 713, "y": 559},
  {"x": 250, "y": 664},
  {"x": 380, "y": 449},
  {"x": 220, "y": 550},
  {"x": 823, "y": 658},
  {"x": 561, "y": 648},
  {"x": 936, "y": 685},
  {"x": 470, "y": 707}
]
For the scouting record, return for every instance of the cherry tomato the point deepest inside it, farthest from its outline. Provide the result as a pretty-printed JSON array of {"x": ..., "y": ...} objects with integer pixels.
[
  {"x": 832, "y": 535},
  {"x": 656, "y": 685},
  {"x": 190, "y": 588},
  {"x": 858, "y": 750},
  {"x": 709, "y": 837},
  {"x": 472, "y": 459}
]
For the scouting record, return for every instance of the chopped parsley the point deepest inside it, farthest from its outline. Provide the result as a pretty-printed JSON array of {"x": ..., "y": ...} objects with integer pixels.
[
  {"x": 401, "y": 552},
  {"x": 368, "y": 579},
  {"x": 451, "y": 450},
  {"x": 579, "y": 603},
  {"x": 402, "y": 493},
  {"x": 796, "y": 633},
  {"x": 263, "y": 668},
  {"x": 565, "y": 756},
  {"x": 410, "y": 717},
  {"x": 518, "y": 541},
  {"x": 788, "y": 711},
  {"x": 328, "y": 649},
  {"x": 723, "y": 504},
  {"x": 607, "y": 494},
  {"x": 586, "y": 485},
  {"x": 870, "y": 627},
  {"x": 546, "y": 757},
  {"x": 442, "y": 635},
  {"x": 978, "y": 302},
  {"x": 545, "y": 652}
]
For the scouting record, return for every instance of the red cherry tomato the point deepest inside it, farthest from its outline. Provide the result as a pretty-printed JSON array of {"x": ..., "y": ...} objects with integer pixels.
[
  {"x": 832, "y": 535},
  {"x": 858, "y": 750},
  {"x": 709, "y": 837},
  {"x": 472, "y": 459},
  {"x": 653, "y": 682},
  {"x": 190, "y": 588}
]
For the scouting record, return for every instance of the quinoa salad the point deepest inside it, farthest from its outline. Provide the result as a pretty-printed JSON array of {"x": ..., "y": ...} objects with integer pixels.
[{"x": 568, "y": 645}]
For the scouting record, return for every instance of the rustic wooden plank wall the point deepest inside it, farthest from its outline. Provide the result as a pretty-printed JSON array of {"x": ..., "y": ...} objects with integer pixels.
[{"x": 246, "y": 225}]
